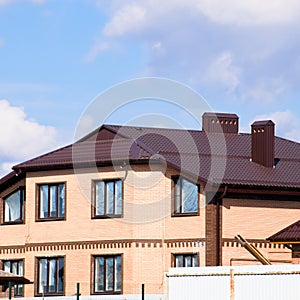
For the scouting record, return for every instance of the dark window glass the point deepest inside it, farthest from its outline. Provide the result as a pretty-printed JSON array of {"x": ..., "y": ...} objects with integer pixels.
[
  {"x": 108, "y": 274},
  {"x": 185, "y": 196},
  {"x": 52, "y": 201},
  {"x": 108, "y": 198},
  {"x": 186, "y": 260},
  {"x": 51, "y": 276},
  {"x": 16, "y": 267},
  {"x": 14, "y": 207}
]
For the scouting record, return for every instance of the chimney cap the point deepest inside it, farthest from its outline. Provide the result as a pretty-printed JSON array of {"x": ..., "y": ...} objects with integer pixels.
[
  {"x": 263, "y": 123},
  {"x": 220, "y": 115}
]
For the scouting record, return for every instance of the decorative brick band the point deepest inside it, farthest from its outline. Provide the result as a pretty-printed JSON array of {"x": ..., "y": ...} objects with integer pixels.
[
  {"x": 104, "y": 244},
  {"x": 175, "y": 243},
  {"x": 226, "y": 242}
]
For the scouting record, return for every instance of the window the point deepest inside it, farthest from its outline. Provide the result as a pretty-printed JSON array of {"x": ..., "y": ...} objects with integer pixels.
[
  {"x": 15, "y": 267},
  {"x": 108, "y": 274},
  {"x": 185, "y": 197},
  {"x": 108, "y": 198},
  {"x": 50, "y": 276},
  {"x": 51, "y": 201},
  {"x": 14, "y": 207},
  {"x": 186, "y": 260}
]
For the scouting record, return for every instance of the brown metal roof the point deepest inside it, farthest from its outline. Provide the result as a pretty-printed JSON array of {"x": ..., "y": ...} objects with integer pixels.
[
  {"x": 288, "y": 234},
  {"x": 85, "y": 153},
  {"x": 197, "y": 153}
]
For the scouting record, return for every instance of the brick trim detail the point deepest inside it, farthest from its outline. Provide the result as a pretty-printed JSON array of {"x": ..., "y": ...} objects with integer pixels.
[
  {"x": 259, "y": 243},
  {"x": 104, "y": 244}
]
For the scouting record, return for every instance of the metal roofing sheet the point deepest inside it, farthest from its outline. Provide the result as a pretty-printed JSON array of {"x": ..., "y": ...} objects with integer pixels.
[
  {"x": 289, "y": 234},
  {"x": 222, "y": 158}
]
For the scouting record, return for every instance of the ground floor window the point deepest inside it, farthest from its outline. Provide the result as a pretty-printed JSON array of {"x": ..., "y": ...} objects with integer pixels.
[
  {"x": 108, "y": 274},
  {"x": 186, "y": 260},
  {"x": 16, "y": 267},
  {"x": 50, "y": 276}
]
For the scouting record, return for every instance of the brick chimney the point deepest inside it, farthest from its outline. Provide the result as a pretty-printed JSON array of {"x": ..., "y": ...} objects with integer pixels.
[
  {"x": 262, "y": 140},
  {"x": 220, "y": 123}
]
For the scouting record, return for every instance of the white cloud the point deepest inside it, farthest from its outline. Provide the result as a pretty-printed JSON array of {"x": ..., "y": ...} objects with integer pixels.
[
  {"x": 96, "y": 50},
  {"x": 129, "y": 18},
  {"x": 222, "y": 71},
  {"x": 286, "y": 123},
  {"x": 5, "y": 167},
  {"x": 267, "y": 91},
  {"x": 134, "y": 17},
  {"x": 21, "y": 137},
  {"x": 247, "y": 13},
  {"x": 243, "y": 49}
]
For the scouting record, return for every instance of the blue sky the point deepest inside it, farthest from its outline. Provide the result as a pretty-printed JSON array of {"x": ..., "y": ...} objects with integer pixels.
[{"x": 56, "y": 56}]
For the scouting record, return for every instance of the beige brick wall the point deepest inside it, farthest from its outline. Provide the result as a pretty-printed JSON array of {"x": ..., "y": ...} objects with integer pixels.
[
  {"x": 147, "y": 217},
  {"x": 146, "y": 236},
  {"x": 256, "y": 219}
]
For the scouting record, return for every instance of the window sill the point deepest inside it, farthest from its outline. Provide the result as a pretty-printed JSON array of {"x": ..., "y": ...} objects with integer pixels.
[
  {"x": 107, "y": 217},
  {"x": 13, "y": 223},
  {"x": 50, "y": 219},
  {"x": 194, "y": 214},
  {"x": 49, "y": 295},
  {"x": 107, "y": 293}
]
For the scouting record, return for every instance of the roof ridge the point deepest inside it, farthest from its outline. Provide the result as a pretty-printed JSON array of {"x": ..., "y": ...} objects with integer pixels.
[
  {"x": 148, "y": 127},
  {"x": 287, "y": 140},
  {"x": 123, "y": 140}
]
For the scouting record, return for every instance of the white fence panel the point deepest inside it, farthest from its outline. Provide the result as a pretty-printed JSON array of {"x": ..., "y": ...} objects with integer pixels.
[
  {"x": 191, "y": 288},
  {"x": 275, "y": 282},
  {"x": 267, "y": 287}
]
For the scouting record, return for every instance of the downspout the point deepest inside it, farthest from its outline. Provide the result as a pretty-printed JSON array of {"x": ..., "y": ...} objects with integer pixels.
[{"x": 219, "y": 227}]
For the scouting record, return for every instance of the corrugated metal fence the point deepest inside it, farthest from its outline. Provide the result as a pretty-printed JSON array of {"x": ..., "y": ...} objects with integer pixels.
[{"x": 274, "y": 282}]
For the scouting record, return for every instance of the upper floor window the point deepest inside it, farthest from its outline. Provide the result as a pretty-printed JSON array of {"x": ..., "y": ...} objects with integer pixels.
[
  {"x": 50, "y": 278},
  {"x": 15, "y": 267},
  {"x": 14, "y": 207},
  {"x": 186, "y": 260},
  {"x": 185, "y": 197},
  {"x": 51, "y": 198},
  {"x": 108, "y": 197},
  {"x": 108, "y": 274}
]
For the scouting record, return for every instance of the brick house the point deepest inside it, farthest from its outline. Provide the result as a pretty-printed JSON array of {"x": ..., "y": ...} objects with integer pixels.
[{"x": 123, "y": 204}]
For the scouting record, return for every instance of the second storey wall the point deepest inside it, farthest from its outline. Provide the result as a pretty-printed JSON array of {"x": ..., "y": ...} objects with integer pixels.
[
  {"x": 146, "y": 209},
  {"x": 147, "y": 235}
]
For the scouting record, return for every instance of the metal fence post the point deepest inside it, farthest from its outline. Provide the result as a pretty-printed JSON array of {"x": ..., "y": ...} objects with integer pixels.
[
  {"x": 9, "y": 290},
  {"x": 77, "y": 290},
  {"x": 143, "y": 291}
]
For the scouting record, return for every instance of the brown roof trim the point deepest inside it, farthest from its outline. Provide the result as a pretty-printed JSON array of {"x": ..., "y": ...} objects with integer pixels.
[{"x": 10, "y": 179}]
